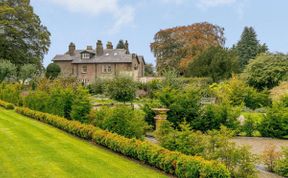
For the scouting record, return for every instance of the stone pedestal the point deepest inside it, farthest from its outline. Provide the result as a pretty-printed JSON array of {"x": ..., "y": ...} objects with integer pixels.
[{"x": 161, "y": 115}]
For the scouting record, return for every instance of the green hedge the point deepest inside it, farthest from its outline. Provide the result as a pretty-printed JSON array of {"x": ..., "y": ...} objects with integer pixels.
[
  {"x": 169, "y": 161},
  {"x": 6, "y": 105}
]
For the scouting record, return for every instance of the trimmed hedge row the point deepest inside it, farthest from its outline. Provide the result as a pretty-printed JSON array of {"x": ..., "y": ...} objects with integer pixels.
[
  {"x": 6, "y": 105},
  {"x": 169, "y": 161}
]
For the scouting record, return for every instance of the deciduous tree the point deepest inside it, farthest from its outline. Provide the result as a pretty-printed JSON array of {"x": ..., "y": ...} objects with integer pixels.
[
  {"x": 267, "y": 70},
  {"x": 7, "y": 70},
  {"x": 176, "y": 47},
  {"x": 25, "y": 40}
]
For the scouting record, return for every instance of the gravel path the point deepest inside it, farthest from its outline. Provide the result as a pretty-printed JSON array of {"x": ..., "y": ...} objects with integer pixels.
[{"x": 258, "y": 145}]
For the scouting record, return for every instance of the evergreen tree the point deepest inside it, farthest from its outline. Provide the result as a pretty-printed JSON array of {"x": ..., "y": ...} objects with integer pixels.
[
  {"x": 121, "y": 45},
  {"x": 248, "y": 46},
  {"x": 23, "y": 39}
]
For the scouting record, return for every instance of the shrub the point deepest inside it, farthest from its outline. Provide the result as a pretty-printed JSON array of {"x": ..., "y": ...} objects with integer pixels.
[
  {"x": 274, "y": 123},
  {"x": 11, "y": 93},
  {"x": 236, "y": 92},
  {"x": 81, "y": 106},
  {"x": 154, "y": 155},
  {"x": 214, "y": 115},
  {"x": 270, "y": 156},
  {"x": 255, "y": 99},
  {"x": 122, "y": 89},
  {"x": 183, "y": 105},
  {"x": 98, "y": 87},
  {"x": 122, "y": 120},
  {"x": 250, "y": 125},
  {"x": 6, "y": 105},
  {"x": 281, "y": 166},
  {"x": 215, "y": 145},
  {"x": 37, "y": 100}
]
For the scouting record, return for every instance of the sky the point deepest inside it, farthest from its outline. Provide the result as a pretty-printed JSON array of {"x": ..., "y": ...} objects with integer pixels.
[{"x": 86, "y": 21}]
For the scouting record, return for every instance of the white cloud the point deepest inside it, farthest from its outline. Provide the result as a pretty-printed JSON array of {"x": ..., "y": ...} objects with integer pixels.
[
  {"x": 214, "y": 3},
  {"x": 123, "y": 15}
]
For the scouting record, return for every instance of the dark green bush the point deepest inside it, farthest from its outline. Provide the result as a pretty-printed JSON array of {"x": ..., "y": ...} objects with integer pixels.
[
  {"x": 214, "y": 115},
  {"x": 154, "y": 155},
  {"x": 275, "y": 122},
  {"x": 254, "y": 99},
  {"x": 52, "y": 71},
  {"x": 183, "y": 105}
]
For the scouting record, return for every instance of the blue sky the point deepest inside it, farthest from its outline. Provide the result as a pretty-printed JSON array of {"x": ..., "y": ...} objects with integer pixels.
[{"x": 85, "y": 21}]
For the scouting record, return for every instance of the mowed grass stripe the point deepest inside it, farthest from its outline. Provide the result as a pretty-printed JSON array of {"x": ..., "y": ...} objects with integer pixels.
[{"x": 29, "y": 148}]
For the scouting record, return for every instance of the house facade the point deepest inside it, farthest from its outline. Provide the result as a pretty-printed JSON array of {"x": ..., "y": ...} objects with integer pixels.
[{"x": 89, "y": 64}]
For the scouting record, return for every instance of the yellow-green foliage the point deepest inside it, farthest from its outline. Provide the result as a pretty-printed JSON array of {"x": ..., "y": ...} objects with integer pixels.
[
  {"x": 169, "y": 161},
  {"x": 6, "y": 105}
]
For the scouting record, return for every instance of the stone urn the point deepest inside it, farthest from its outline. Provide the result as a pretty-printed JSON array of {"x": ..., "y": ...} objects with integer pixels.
[{"x": 161, "y": 115}]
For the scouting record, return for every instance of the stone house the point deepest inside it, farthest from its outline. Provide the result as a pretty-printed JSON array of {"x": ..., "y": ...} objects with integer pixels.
[{"x": 89, "y": 64}]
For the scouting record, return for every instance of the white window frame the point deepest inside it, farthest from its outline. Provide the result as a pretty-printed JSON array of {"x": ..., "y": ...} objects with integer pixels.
[
  {"x": 85, "y": 56},
  {"x": 107, "y": 68},
  {"x": 84, "y": 69}
]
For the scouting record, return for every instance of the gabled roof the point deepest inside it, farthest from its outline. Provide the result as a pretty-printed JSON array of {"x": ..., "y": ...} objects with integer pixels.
[{"x": 109, "y": 56}]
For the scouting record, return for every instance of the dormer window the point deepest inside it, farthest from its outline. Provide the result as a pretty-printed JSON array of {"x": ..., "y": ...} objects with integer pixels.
[{"x": 85, "y": 56}]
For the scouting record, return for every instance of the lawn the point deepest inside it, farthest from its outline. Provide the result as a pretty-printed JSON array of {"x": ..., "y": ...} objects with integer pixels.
[{"x": 29, "y": 148}]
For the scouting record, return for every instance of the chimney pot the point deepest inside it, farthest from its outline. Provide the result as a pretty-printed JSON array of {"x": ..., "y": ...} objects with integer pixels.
[
  {"x": 109, "y": 45},
  {"x": 99, "y": 48}
]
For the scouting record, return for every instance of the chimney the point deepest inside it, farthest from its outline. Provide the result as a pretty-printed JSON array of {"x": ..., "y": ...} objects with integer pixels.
[
  {"x": 127, "y": 47},
  {"x": 109, "y": 45},
  {"x": 71, "y": 49},
  {"x": 99, "y": 48},
  {"x": 89, "y": 48}
]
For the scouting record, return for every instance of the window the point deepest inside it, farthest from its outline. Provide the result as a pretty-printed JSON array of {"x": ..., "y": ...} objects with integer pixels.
[
  {"x": 84, "y": 69},
  {"x": 107, "y": 69},
  {"x": 85, "y": 56}
]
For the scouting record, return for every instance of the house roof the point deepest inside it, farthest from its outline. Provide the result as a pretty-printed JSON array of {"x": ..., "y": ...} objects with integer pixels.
[{"x": 109, "y": 56}]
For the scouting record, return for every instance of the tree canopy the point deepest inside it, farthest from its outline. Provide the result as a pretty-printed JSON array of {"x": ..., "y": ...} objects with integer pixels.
[
  {"x": 7, "y": 70},
  {"x": 25, "y": 40},
  {"x": 27, "y": 71},
  {"x": 215, "y": 62},
  {"x": 267, "y": 70},
  {"x": 176, "y": 47},
  {"x": 249, "y": 46},
  {"x": 52, "y": 71}
]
